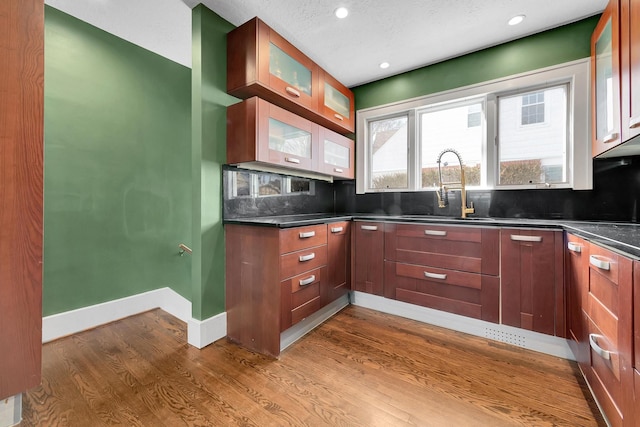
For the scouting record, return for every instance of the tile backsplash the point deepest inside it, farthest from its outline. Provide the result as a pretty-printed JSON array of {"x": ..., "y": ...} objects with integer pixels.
[{"x": 615, "y": 197}]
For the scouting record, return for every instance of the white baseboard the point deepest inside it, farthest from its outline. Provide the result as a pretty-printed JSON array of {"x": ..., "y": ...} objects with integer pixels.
[
  {"x": 542, "y": 343},
  {"x": 200, "y": 332},
  {"x": 11, "y": 411}
]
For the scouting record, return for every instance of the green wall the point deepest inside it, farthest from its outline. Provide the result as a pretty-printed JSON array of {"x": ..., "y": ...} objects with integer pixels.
[
  {"x": 563, "y": 44},
  {"x": 208, "y": 154},
  {"x": 117, "y": 168}
]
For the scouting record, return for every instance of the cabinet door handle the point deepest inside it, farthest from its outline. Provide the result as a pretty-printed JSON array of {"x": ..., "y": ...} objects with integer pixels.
[
  {"x": 369, "y": 227},
  {"x": 610, "y": 138},
  {"x": 309, "y": 280},
  {"x": 593, "y": 342},
  {"x": 435, "y": 233},
  {"x": 292, "y": 160},
  {"x": 435, "y": 276},
  {"x": 599, "y": 263},
  {"x": 521, "y": 238},
  {"x": 338, "y": 170},
  {"x": 292, "y": 91},
  {"x": 309, "y": 257},
  {"x": 574, "y": 247},
  {"x": 337, "y": 229},
  {"x": 338, "y": 116},
  {"x": 307, "y": 234},
  {"x": 634, "y": 122}
]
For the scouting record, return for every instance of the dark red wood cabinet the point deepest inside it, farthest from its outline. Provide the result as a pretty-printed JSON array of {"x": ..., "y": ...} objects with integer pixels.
[
  {"x": 532, "y": 280},
  {"x": 448, "y": 268},
  {"x": 339, "y": 261},
  {"x": 21, "y": 194},
  {"x": 260, "y": 62},
  {"x": 630, "y": 67},
  {"x": 608, "y": 308},
  {"x": 276, "y": 278},
  {"x": 368, "y": 257},
  {"x": 577, "y": 288}
]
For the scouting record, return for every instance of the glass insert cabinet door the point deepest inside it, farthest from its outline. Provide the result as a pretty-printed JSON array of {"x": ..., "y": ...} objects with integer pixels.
[
  {"x": 290, "y": 145},
  {"x": 606, "y": 85},
  {"x": 297, "y": 76},
  {"x": 336, "y": 154},
  {"x": 336, "y": 100}
]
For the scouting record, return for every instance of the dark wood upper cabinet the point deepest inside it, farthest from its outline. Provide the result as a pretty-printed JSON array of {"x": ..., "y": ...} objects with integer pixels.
[
  {"x": 336, "y": 102},
  {"x": 337, "y": 154},
  {"x": 630, "y": 67},
  {"x": 258, "y": 131},
  {"x": 605, "y": 80},
  {"x": 262, "y": 63},
  {"x": 532, "y": 280}
]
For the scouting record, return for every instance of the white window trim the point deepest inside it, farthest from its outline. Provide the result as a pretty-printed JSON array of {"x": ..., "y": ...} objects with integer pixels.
[{"x": 576, "y": 73}]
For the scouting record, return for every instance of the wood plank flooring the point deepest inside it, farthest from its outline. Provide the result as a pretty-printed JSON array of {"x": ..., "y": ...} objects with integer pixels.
[{"x": 360, "y": 368}]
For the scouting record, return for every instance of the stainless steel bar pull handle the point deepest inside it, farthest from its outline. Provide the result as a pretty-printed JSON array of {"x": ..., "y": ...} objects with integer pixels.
[
  {"x": 307, "y": 234},
  {"x": 435, "y": 233},
  {"x": 309, "y": 257},
  {"x": 634, "y": 122},
  {"x": 292, "y": 91},
  {"x": 599, "y": 263},
  {"x": 338, "y": 116},
  {"x": 338, "y": 170},
  {"x": 337, "y": 229},
  {"x": 574, "y": 247},
  {"x": 292, "y": 160},
  {"x": 593, "y": 342},
  {"x": 435, "y": 276},
  {"x": 521, "y": 238},
  {"x": 369, "y": 227},
  {"x": 610, "y": 138},
  {"x": 309, "y": 280}
]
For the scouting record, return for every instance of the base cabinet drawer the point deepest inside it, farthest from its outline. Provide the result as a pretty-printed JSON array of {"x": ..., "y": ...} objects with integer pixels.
[
  {"x": 301, "y": 296},
  {"x": 466, "y": 294},
  {"x": 608, "y": 309},
  {"x": 295, "y": 263}
]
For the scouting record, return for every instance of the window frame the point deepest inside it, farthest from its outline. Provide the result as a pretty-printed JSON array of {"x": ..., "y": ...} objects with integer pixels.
[{"x": 579, "y": 165}]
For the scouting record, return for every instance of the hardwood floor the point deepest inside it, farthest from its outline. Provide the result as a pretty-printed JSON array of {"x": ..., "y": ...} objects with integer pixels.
[{"x": 360, "y": 368}]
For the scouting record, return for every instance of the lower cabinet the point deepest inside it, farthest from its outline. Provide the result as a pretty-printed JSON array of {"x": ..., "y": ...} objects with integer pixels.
[
  {"x": 448, "y": 268},
  {"x": 338, "y": 262},
  {"x": 532, "y": 280},
  {"x": 600, "y": 326},
  {"x": 368, "y": 257},
  {"x": 609, "y": 312},
  {"x": 277, "y": 277},
  {"x": 577, "y": 288}
]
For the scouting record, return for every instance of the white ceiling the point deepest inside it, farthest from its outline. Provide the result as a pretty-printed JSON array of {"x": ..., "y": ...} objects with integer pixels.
[{"x": 407, "y": 33}]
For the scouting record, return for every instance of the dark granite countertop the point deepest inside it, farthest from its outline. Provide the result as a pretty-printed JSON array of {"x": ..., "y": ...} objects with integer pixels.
[{"x": 623, "y": 238}]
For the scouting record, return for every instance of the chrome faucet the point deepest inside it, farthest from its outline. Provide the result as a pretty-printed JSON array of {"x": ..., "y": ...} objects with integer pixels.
[{"x": 443, "y": 198}]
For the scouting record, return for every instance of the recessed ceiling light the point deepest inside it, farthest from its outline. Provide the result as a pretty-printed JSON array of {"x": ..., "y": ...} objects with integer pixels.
[
  {"x": 516, "y": 20},
  {"x": 342, "y": 12},
  {"x": 384, "y": 65}
]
